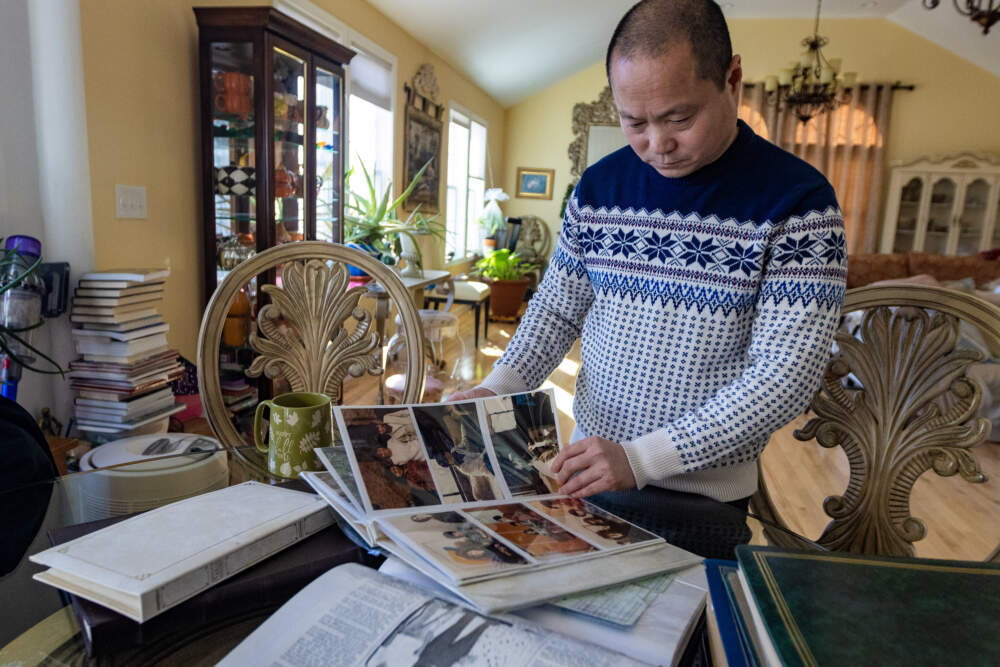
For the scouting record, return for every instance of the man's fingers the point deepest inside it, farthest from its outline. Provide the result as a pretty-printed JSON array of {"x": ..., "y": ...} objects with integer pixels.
[
  {"x": 572, "y": 466},
  {"x": 566, "y": 453},
  {"x": 578, "y": 482},
  {"x": 591, "y": 489}
]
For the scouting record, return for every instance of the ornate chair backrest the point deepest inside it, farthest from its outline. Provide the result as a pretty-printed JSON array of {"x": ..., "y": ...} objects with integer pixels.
[
  {"x": 914, "y": 411},
  {"x": 534, "y": 244},
  {"x": 303, "y": 337}
]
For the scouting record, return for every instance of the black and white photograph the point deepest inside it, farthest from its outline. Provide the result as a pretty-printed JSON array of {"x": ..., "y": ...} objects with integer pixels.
[{"x": 442, "y": 634}]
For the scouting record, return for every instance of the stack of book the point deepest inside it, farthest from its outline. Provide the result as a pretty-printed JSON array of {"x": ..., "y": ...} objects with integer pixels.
[
  {"x": 777, "y": 607},
  {"x": 125, "y": 369}
]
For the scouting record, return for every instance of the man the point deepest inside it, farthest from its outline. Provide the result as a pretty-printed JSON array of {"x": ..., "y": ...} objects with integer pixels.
[{"x": 703, "y": 269}]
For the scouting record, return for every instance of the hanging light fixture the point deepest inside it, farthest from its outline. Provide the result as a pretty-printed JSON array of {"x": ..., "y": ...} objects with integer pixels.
[
  {"x": 813, "y": 84},
  {"x": 983, "y": 12}
]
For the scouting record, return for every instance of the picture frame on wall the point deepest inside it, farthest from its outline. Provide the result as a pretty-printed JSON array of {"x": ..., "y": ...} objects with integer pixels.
[
  {"x": 423, "y": 143},
  {"x": 534, "y": 183}
]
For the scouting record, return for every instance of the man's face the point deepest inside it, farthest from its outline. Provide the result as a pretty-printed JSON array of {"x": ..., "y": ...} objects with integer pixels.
[{"x": 674, "y": 120}]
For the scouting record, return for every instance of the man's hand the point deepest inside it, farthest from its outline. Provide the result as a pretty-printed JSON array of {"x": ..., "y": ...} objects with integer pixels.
[
  {"x": 469, "y": 394},
  {"x": 592, "y": 465}
]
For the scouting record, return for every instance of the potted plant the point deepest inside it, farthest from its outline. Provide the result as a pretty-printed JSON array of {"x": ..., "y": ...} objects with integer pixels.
[
  {"x": 491, "y": 219},
  {"x": 371, "y": 224},
  {"x": 505, "y": 273}
]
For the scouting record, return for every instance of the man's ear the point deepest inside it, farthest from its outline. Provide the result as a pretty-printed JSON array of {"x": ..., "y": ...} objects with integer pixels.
[{"x": 734, "y": 75}]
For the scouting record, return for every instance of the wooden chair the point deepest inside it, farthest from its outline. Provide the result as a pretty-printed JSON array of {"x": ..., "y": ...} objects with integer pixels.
[
  {"x": 907, "y": 408},
  {"x": 303, "y": 337}
]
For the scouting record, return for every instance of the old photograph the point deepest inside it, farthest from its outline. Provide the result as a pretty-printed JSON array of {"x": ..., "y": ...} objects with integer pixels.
[
  {"x": 605, "y": 530},
  {"x": 534, "y": 533},
  {"x": 454, "y": 544},
  {"x": 442, "y": 634},
  {"x": 457, "y": 455},
  {"x": 525, "y": 439},
  {"x": 390, "y": 458}
]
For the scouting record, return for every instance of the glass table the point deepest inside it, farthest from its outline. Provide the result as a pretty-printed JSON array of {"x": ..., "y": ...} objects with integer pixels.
[{"x": 38, "y": 626}]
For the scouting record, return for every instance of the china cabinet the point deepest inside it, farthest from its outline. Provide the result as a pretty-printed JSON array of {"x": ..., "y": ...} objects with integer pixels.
[
  {"x": 272, "y": 96},
  {"x": 272, "y": 100},
  {"x": 947, "y": 205}
]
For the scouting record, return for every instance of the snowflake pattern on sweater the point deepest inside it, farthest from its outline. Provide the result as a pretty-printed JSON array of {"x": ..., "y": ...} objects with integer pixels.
[{"x": 702, "y": 331}]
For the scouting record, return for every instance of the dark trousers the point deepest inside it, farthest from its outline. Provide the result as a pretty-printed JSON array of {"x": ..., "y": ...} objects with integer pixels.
[{"x": 701, "y": 525}]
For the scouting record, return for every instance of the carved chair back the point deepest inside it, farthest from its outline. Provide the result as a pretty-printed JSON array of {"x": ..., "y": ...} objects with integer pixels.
[
  {"x": 535, "y": 241},
  {"x": 314, "y": 332},
  {"x": 896, "y": 398}
]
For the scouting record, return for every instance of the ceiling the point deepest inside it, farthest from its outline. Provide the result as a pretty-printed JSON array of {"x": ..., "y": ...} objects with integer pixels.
[{"x": 519, "y": 47}]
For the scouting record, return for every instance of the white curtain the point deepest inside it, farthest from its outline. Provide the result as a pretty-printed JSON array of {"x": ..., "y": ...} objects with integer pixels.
[{"x": 846, "y": 144}]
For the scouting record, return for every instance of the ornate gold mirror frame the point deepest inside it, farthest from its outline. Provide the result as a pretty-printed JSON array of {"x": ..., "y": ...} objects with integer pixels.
[{"x": 602, "y": 112}]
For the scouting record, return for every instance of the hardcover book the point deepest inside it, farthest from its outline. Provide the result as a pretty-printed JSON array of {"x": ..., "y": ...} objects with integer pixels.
[
  {"x": 262, "y": 586},
  {"x": 103, "y": 290},
  {"x": 131, "y": 276},
  {"x": 463, "y": 493},
  {"x": 813, "y": 608},
  {"x": 156, "y": 560}
]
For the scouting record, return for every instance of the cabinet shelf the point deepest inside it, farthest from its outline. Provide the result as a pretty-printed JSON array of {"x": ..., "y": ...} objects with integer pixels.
[
  {"x": 303, "y": 64},
  {"x": 945, "y": 201}
]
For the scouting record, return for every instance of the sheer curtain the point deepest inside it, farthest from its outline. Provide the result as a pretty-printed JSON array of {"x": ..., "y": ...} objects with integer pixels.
[{"x": 846, "y": 144}]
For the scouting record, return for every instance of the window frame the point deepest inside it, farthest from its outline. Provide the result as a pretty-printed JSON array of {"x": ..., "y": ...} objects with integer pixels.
[{"x": 471, "y": 249}]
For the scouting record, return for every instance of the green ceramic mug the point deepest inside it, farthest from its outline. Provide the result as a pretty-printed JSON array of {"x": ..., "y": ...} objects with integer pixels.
[{"x": 299, "y": 422}]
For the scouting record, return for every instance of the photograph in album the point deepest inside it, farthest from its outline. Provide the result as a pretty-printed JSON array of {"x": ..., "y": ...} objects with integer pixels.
[
  {"x": 390, "y": 459},
  {"x": 594, "y": 524},
  {"x": 525, "y": 435},
  {"x": 459, "y": 461},
  {"x": 454, "y": 544},
  {"x": 336, "y": 461},
  {"x": 541, "y": 538}
]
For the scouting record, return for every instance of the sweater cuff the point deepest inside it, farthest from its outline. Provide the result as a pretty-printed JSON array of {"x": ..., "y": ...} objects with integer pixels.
[
  {"x": 504, "y": 380},
  {"x": 653, "y": 457}
]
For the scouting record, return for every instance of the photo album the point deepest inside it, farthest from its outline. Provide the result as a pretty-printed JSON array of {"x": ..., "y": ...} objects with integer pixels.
[{"x": 463, "y": 493}]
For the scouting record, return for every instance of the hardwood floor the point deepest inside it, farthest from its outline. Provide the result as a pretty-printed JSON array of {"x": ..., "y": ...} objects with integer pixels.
[{"x": 962, "y": 519}]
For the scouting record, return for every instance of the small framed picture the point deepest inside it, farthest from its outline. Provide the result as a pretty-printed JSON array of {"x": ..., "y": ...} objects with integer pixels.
[{"x": 535, "y": 183}]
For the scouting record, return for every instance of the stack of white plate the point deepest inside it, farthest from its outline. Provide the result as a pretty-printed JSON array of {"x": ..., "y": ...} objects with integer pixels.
[{"x": 162, "y": 468}]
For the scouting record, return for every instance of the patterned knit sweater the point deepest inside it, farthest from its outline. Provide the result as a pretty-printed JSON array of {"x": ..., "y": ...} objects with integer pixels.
[{"x": 705, "y": 306}]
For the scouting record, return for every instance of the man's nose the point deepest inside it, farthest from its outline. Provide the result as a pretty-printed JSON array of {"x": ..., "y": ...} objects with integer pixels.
[{"x": 662, "y": 141}]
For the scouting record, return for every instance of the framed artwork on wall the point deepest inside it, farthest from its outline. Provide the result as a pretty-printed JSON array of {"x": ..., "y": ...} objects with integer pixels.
[
  {"x": 534, "y": 183},
  {"x": 423, "y": 144}
]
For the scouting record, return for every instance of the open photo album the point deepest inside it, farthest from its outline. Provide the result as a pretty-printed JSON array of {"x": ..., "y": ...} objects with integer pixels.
[{"x": 463, "y": 492}]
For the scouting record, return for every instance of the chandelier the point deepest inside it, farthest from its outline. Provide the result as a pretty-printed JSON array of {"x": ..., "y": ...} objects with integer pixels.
[
  {"x": 813, "y": 84},
  {"x": 983, "y": 12}
]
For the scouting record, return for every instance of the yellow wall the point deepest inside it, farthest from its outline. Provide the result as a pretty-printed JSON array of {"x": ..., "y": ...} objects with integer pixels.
[
  {"x": 953, "y": 107},
  {"x": 140, "y": 61}
]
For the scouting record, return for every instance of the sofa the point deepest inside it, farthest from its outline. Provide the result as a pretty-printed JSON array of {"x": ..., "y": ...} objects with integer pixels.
[{"x": 864, "y": 269}]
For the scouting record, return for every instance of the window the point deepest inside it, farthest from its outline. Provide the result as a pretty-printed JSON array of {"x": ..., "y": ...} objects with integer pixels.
[
  {"x": 466, "y": 183},
  {"x": 370, "y": 123}
]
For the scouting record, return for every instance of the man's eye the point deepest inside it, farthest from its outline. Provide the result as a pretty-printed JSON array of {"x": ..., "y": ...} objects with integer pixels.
[
  {"x": 635, "y": 126},
  {"x": 678, "y": 121}
]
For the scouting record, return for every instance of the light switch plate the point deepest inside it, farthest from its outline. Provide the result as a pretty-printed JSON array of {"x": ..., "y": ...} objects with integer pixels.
[{"x": 130, "y": 202}]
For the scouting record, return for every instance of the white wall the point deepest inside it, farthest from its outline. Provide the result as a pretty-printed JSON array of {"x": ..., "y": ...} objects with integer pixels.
[
  {"x": 44, "y": 192},
  {"x": 44, "y": 164}
]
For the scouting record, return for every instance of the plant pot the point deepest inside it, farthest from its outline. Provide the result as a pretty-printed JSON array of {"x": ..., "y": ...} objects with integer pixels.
[
  {"x": 506, "y": 297},
  {"x": 365, "y": 248},
  {"x": 489, "y": 244}
]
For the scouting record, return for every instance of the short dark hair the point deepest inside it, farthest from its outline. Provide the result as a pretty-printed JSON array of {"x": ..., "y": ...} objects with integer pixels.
[{"x": 651, "y": 27}]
